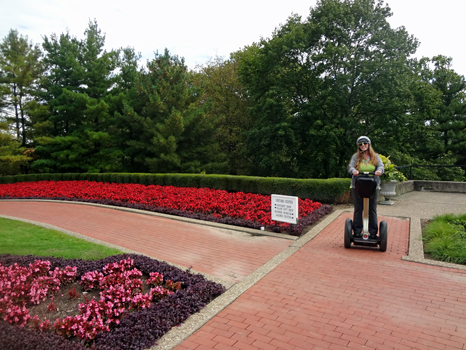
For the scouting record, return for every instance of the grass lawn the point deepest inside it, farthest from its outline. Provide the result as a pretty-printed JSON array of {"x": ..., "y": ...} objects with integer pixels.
[
  {"x": 445, "y": 238},
  {"x": 20, "y": 238}
]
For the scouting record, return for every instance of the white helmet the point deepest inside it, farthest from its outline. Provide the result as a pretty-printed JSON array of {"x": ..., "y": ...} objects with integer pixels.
[{"x": 363, "y": 139}]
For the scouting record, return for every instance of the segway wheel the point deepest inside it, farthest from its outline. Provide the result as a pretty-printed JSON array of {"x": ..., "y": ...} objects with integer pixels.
[
  {"x": 348, "y": 232},
  {"x": 383, "y": 235}
]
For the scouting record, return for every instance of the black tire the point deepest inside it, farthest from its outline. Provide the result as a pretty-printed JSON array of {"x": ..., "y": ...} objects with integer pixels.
[
  {"x": 348, "y": 232},
  {"x": 383, "y": 235}
]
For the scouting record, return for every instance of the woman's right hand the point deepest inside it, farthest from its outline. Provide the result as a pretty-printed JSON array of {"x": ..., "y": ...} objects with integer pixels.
[{"x": 355, "y": 173}]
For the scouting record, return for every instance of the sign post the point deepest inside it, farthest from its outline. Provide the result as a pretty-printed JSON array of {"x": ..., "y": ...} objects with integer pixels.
[{"x": 285, "y": 208}]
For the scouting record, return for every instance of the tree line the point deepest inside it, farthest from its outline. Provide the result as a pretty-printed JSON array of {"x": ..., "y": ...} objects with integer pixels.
[{"x": 291, "y": 105}]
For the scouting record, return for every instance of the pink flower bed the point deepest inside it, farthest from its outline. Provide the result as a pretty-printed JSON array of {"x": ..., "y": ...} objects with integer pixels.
[
  {"x": 123, "y": 301},
  {"x": 120, "y": 283}
]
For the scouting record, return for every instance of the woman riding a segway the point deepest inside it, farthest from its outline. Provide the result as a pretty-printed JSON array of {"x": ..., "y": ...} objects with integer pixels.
[{"x": 365, "y": 160}]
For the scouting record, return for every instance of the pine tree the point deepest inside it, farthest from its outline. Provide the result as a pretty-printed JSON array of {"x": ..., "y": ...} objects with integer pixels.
[
  {"x": 170, "y": 131},
  {"x": 80, "y": 76}
]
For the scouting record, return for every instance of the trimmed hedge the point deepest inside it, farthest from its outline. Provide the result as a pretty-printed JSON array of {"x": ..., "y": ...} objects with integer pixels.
[{"x": 330, "y": 191}]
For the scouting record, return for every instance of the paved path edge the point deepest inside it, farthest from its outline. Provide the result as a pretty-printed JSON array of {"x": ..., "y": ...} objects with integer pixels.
[{"x": 416, "y": 248}]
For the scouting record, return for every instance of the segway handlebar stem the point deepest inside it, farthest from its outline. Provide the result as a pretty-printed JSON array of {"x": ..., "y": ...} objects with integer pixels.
[{"x": 366, "y": 173}]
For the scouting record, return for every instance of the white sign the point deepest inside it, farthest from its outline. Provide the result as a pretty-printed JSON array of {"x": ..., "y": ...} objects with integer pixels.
[{"x": 285, "y": 208}]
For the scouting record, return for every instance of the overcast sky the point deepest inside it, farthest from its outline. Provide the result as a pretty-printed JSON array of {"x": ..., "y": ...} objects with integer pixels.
[{"x": 201, "y": 29}]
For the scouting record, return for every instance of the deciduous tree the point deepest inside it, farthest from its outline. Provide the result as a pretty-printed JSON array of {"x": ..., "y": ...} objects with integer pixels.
[
  {"x": 20, "y": 69},
  {"x": 318, "y": 84},
  {"x": 12, "y": 156},
  {"x": 229, "y": 102}
]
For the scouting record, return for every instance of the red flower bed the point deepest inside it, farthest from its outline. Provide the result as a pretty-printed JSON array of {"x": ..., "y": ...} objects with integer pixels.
[{"x": 243, "y": 209}]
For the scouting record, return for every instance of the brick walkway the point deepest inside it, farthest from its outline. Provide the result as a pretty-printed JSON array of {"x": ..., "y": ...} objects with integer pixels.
[
  {"x": 221, "y": 253},
  {"x": 328, "y": 297},
  {"x": 321, "y": 297}
]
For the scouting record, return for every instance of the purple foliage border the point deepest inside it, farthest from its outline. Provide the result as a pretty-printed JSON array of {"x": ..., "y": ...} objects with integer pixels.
[{"x": 140, "y": 329}]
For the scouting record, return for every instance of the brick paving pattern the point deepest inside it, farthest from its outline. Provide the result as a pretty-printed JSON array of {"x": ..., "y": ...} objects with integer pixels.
[
  {"x": 220, "y": 253},
  {"x": 328, "y": 297},
  {"x": 321, "y": 297}
]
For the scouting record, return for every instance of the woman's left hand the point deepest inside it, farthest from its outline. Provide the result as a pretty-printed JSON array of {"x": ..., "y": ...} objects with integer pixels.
[{"x": 378, "y": 173}]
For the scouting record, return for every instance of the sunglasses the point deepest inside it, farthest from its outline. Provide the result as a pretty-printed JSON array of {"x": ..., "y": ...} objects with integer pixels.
[{"x": 363, "y": 143}]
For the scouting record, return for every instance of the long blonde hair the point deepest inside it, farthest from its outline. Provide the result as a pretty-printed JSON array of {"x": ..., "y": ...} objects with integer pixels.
[{"x": 372, "y": 154}]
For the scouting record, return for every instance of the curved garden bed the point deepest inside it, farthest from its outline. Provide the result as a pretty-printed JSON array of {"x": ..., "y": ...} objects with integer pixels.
[
  {"x": 131, "y": 325},
  {"x": 232, "y": 208}
]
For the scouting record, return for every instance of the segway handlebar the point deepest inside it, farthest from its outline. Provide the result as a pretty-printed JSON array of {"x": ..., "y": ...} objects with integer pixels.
[{"x": 366, "y": 173}]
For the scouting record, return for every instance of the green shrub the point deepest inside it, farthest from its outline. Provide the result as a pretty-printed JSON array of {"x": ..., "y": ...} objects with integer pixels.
[
  {"x": 107, "y": 177},
  {"x": 445, "y": 238},
  {"x": 267, "y": 186},
  {"x": 66, "y": 176},
  {"x": 135, "y": 178},
  {"x": 159, "y": 179},
  {"x": 56, "y": 177},
  {"x": 8, "y": 179},
  {"x": 249, "y": 184},
  {"x": 115, "y": 178},
  {"x": 43, "y": 177},
  {"x": 177, "y": 180},
  {"x": 233, "y": 183},
  {"x": 192, "y": 180},
  {"x": 422, "y": 168},
  {"x": 21, "y": 178},
  {"x": 144, "y": 179},
  {"x": 126, "y": 178},
  {"x": 217, "y": 182},
  {"x": 97, "y": 177}
]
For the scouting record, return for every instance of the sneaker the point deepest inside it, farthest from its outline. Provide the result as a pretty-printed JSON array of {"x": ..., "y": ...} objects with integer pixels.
[
  {"x": 357, "y": 235},
  {"x": 373, "y": 236}
]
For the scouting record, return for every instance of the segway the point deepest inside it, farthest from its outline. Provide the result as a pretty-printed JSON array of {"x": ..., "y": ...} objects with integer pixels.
[{"x": 365, "y": 186}]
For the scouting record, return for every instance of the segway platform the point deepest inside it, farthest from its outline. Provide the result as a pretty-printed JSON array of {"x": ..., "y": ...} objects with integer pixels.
[{"x": 369, "y": 242}]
